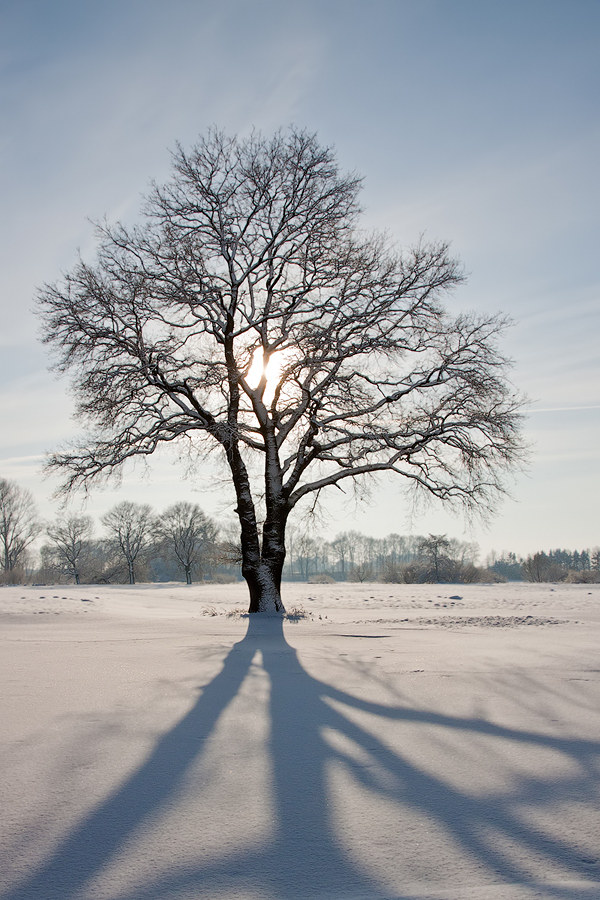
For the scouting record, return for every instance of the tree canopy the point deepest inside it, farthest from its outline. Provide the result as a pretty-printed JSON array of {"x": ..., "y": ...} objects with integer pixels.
[{"x": 249, "y": 313}]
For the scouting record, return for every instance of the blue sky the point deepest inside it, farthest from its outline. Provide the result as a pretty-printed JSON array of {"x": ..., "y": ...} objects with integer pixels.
[{"x": 471, "y": 121}]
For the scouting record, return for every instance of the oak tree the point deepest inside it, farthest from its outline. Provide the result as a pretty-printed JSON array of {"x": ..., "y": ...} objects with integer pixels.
[{"x": 250, "y": 314}]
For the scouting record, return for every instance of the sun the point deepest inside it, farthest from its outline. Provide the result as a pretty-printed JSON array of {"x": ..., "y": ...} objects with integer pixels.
[{"x": 273, "y": 370}]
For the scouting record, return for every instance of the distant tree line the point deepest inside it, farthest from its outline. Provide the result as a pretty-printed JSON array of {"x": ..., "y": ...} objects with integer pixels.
[
  {"x": 180, "y": 543},
  {"x": 394, "y": 559},
  {"x": 577, "y": 566},
  {"x": 410, "y": 559},
  {"x": 353, "y": 556},
  {"x": 183, "y": 543}
]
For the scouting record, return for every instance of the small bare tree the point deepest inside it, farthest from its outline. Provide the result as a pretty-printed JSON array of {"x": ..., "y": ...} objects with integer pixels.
[
  {"x": 70, "y": 538},
  {"x": 344, "y": 551},
  {"x": 129, "y": 527},
  {"x": 361, "y": 572},
  {"x": 187, "y": 533},
  {"x": 19, "y": 524},
  {"x": 248, "y": 313}
]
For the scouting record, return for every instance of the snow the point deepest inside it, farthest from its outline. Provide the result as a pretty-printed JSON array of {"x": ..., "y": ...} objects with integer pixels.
[{"x": 400, "y": 741}]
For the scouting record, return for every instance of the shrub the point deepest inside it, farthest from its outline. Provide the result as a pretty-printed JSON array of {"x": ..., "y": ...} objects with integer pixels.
[
  {"x": 15, "y": 576},
  {"x": 393, "y": 573},
  {"x": 414, "y": 574},
  {"x": 540, "y": 567},
  {"x": 424, "y": 573},
  {"x": 586, "y": 576},
  {"x": 470, "y": 574}
]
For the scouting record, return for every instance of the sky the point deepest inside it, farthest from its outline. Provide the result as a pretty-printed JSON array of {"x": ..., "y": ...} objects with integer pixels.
[{"x": 471, "y": 121}]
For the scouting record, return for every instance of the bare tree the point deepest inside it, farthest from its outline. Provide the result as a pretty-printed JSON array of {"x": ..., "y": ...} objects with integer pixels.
[
  {"x": 129, "y": 526},
  {"x": 249, "y": 314},
  {"x": 448, "y": 559},
  {"x": 307, "y": 548},
  {"x": 361, "y": 572},
  {"x": 435, "y": 550},
  {"x": 19, "y": 524},
  {"x": 188, "y": 533},
  {"x": 71, "y": 538},
  {"x": 343, "y": 548}
]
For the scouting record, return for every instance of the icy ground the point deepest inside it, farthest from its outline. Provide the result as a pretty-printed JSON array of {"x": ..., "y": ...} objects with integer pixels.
[{"x": 400, "y": 742}]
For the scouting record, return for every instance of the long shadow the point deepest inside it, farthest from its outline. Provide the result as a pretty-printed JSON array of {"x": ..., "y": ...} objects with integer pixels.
[{"x": 304, "y": 858}]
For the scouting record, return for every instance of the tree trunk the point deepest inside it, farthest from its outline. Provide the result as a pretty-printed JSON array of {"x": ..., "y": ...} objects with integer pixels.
[
  {"x": 264, "y": 583},
  {"x": 272, "y": 557},
  {"x": 271, "y": 566},
  {"x": 265, "y": 590},
  {"x": 261, "y": 570}
]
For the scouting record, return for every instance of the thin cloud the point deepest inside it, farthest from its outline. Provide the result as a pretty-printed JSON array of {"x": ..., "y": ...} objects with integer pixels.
[
  {"x": 560, "y": 408},
  {"x": 16, "y": 460}
]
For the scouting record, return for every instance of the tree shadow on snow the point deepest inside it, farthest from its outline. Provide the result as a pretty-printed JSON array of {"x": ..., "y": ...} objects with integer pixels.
[{"x": 304, "y": 858}]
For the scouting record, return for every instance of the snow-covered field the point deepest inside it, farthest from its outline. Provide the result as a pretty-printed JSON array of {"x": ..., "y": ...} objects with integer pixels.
[{"x": 399, "y": 742}]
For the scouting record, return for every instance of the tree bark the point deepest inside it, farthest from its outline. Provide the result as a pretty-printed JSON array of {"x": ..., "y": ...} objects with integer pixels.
[
  {"x": 273, "y": 537},
  {"x": 261, "y": 569}
]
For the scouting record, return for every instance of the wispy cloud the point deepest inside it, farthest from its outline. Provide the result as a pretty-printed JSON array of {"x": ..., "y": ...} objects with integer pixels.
[
  {"x": 22, "y": 460},
  {"x": 534, "y": 409}
]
